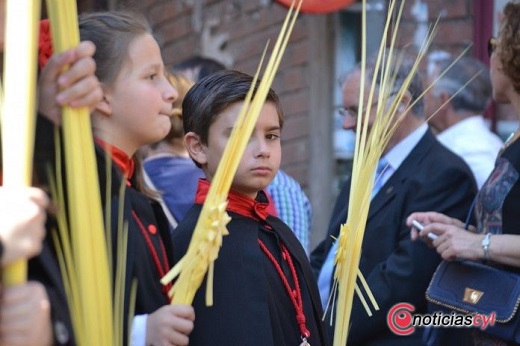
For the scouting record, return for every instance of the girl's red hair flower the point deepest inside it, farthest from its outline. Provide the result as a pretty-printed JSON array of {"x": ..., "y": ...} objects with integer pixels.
[{"x": 44, "y": 43}]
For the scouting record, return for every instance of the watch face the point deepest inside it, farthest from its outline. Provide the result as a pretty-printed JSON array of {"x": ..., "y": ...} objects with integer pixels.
[{"x": 485, "y": 241}]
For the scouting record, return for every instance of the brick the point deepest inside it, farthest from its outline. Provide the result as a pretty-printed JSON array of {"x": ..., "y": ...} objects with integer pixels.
[
  {"x": 455, "y": 32},
  {"x": 175, "y": 28},
  {"x": 290, "y": 79},
  {"x": 294, "y": 151},
  {"x": 451, "y": 9},
  {"x": 298, "y": 172},
  {"x": 295, "y": 127},
  {"x": 295, "y": 54},
  {"x": 179, "y": 50},
  {"x": 252, "y": 45},
  {"x": 164, "y": 11},
  {"x": 295, "y": 102}
]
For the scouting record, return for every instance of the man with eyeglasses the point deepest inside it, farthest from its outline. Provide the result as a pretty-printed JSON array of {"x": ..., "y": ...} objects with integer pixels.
[
  {"x": 420, "y": 174},
  {"x": 454, "y": 106}
]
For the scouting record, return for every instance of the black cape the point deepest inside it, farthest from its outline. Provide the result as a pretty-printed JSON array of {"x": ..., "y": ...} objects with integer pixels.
[
  {"x": 139, "y": 264},
  {"x": 251, "y": 305}
]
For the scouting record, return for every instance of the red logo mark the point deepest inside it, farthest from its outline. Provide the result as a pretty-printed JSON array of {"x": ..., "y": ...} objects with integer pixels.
[{"x": 399, "y": 319}]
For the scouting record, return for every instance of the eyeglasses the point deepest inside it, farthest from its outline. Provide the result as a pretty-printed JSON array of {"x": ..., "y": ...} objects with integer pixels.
[
  {"x": 492, "y": 45},
  {"x": 352, "y": 111}
]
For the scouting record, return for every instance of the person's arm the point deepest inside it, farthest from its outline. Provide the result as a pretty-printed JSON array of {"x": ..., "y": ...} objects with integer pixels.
[
  {"x": 454, "y": 242},
  {"x": 23, "y": 214},
  {"x": 503, "y": 248}
]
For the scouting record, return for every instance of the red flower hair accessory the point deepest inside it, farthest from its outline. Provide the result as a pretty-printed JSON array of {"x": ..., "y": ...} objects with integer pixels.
[{"x": 44, "y": 43}]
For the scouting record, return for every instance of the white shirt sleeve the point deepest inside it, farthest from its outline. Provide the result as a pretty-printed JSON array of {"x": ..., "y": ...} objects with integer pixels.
[{"x": 138, "y": 332}]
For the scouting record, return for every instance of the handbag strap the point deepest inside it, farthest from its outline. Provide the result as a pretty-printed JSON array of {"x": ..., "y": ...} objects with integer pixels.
[{"x": 470, "y": 212}]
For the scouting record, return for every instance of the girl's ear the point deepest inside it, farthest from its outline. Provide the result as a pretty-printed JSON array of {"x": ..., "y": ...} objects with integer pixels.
[
  {"x": 196, "y": 148},
  {"x": 104, "y": 106}
]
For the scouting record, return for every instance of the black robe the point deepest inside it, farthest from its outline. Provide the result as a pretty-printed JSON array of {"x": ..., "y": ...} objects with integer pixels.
[
  {"x": 251, "y": 305},
  {"x": 139, "y": 264}
]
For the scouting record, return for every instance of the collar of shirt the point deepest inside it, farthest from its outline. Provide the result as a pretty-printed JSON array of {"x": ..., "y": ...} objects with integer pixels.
[
  {"x": 455, "y": 129},
  {"x": 401, "y": 150},
  {"x": 256, "y": 209}
]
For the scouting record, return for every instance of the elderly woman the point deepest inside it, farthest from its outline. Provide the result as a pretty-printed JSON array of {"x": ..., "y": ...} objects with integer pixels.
[{"x": 496, "y": 236}]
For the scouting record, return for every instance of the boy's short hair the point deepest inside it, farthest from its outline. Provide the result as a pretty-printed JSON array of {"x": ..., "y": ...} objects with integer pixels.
[{"x": 214, "y": 93}]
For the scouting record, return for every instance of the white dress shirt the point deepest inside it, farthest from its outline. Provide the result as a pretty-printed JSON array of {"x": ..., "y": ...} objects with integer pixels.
[{"x": 472, "y": 140}]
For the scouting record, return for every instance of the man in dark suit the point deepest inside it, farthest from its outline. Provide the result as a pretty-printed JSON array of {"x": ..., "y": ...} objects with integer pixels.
[{"x": 420, "y": 174}]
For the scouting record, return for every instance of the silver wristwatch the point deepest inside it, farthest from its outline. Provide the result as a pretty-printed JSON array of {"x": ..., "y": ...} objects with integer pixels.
[{"x": 485, "y": 246}]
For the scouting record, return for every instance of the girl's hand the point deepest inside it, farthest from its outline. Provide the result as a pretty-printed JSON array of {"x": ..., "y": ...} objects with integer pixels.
[{"x": 170, "y": 325}]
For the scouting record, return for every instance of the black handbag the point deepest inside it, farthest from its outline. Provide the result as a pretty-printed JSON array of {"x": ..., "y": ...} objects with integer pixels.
[{"x": 469, "y": 287}]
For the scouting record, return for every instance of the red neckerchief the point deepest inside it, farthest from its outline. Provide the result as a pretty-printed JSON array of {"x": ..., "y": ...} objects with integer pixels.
[
  {"x": 237, "y": 202},
  {"x": 271, "y": 209},
  {"x": 125, "y": 163},
  {"x": 251, "y": 208}
]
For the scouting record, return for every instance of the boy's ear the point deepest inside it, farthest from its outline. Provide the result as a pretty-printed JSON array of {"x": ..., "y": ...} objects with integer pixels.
[
  {"x": 405, "y": 101},
  {"x": 195, "y": 148},
  {"x": 445, "y": 97}
]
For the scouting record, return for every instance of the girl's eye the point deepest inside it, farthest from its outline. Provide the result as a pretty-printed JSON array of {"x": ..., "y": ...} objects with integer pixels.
[
  {"x": 152, "y": 76},
  {"x": 272, "y": 136}
]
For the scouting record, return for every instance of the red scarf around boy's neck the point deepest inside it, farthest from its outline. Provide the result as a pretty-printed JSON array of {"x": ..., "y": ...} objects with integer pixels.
[
  {"x": 125, "y": 163},
  {"x": 238, "y": 203}
]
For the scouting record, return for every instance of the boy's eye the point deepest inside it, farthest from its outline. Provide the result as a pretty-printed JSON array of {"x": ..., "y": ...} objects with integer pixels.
[
  {"x": 272, "y": 136},
  {"x": 152, "y": 76}
]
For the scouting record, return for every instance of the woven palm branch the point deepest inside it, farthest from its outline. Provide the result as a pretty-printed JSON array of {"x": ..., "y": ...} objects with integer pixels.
[
  {"x": 211, "y": 225},
  {"x": 368, "y": 150}
]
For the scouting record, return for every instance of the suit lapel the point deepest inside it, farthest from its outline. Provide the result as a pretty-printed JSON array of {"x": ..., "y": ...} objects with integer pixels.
[
  {"x": 405, "y": 170},
  {"x": 385, "y": 195}
]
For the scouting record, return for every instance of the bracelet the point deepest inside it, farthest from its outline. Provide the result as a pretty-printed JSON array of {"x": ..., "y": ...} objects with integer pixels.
[{"x": 485, "y": 246}]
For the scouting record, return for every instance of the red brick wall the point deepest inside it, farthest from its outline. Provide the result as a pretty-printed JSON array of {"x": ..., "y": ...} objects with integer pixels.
[
  {"x": 249, "y": 24},
  {"x": 455, "y": 26}
]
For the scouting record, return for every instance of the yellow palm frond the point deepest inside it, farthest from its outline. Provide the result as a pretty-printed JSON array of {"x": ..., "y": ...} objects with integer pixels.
[
  {"x": 211, "y": 225},
  {"x": 368, "y": 150},
  {"x": 19, "y": 105},
  {"x": 91, "y": 291}
]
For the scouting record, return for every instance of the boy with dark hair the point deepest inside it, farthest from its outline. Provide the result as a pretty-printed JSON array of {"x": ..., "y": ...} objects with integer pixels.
[{"x": 264, "y": 291}]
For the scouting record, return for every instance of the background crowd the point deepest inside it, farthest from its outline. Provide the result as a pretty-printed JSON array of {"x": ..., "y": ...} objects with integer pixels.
[{"x": 165, "y": 130}]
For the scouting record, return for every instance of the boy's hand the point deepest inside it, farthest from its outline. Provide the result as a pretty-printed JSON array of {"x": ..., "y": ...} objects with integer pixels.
[
  {"x": 25, "y": 317},
  {"x": 170, "y": 325},
  {"x": 23, "y": 214},
  {"x": 77, "y": 87}
]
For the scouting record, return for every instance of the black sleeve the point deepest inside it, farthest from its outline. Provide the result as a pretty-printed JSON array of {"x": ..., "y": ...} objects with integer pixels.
[{"x": 45, "y": 269}]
